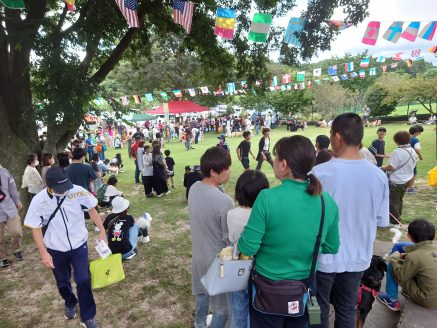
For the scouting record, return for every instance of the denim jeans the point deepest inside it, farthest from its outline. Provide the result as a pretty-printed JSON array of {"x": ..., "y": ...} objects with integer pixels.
[
  {"x": 391, "y": 287},
  {"x": 240, "y": 309},
  {"x": 344, "y": 288},
  {"x": 202, "y": 308},
  {"x": 133, "y": 239},
  {"x": 188, "y": 144},
  {"x": 137, "y": 172}
]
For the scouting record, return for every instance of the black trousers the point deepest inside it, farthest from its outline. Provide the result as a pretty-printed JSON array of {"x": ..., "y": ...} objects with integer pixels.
[
  {"x": 261, "y": 160},
  {"x": 148, "y": 184}
]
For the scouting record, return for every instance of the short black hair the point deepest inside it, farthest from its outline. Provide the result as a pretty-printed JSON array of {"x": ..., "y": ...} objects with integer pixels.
[
  {"x": 381, "y": 129},
  {"x": 323, "y": 141},
  {"x": 95, "y": 157},
  {"x": 350, "y": 127},
  {"x": 187, "y": 168},
  {"x": 246, "y": 133},
  {"x": 78, "y": 153},
  {"x": 112, "y": 181},
  {"x": 415, "y": 128},
  {"x": 265, "y": 130},
  {"x": 63, "y": 159},
  {"x": 421, "y": 230},
  {"x": 249, "y": 185},
  {"x": 216, "y": 159},
  {"x": 167, "y": 152}
]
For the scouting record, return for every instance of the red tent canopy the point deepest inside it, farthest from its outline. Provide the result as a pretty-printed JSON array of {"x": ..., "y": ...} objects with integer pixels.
[{"x": 179, "y": 107}]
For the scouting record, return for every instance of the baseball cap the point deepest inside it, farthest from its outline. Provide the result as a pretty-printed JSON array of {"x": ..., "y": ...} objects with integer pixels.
[
  {"x": 57, "y": 179},
  {"x": 222, "y": 136},
  {"x": 119, "y": 204}
]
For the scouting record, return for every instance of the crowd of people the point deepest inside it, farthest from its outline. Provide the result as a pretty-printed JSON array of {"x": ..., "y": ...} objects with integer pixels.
[{"x": 337, "y": 183}]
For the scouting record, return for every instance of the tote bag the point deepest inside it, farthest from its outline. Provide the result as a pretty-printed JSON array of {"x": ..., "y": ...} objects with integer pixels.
[
  {"x": 105, "y": 272},
  {"x": 226, "y": 276}
]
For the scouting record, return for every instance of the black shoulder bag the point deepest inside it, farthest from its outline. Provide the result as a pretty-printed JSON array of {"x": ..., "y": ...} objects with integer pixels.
[
  {"x": 44, "y": 228},
  {"x": 285, "y": 297}
]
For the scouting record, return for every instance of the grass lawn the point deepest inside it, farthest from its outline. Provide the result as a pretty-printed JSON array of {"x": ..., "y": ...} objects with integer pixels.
[
  {"x": 403, "y": 109},
  {"x": 157, "y": 288}
]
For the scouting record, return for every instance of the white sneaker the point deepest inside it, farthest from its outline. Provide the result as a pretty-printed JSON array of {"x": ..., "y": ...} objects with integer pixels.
[
  {"x": 208, "y": 320},
  {"x": 144, "y": 240},
  {"x": 160, "y": 195},
  {"x": 168, "y": 192},
  {"x": 131, "y": 256}
]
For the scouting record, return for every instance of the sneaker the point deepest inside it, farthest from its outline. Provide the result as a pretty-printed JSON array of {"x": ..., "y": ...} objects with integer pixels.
[
  {"x": 410, "y": 191},
  {"x": 19, "y": 256},
  {"x": 91, "y": 323},
  {"x": 387, "y": 301},
  {"x": 130, "y": 257},
  {"x": 144, "y": 240},
  {"x": 70, "y": 312},
  {"x": 4, "y": 263},
  {"x": 168, "y": 192},
  {"x": 160, "y": 195}
]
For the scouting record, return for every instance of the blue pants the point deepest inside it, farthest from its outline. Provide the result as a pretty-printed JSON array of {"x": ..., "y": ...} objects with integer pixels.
[
  {"x": 391, "y": 287},
  {"x": 137, "y": 172},
  {"x": 344, "y": 289},
  {"x": 202, "y": 308},
  {"x": 78, "y": 259},
  {"x": 90, "y": 153},
  {"x": 240, "y": 309},
  {"x": 133, "y": 239},
  {"x": 102, "y": 155}
]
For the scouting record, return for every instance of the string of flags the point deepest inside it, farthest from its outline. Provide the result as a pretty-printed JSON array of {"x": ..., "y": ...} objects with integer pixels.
[
  {"x": 299, "y": 82},
  {"x": 395, "y": 32}
]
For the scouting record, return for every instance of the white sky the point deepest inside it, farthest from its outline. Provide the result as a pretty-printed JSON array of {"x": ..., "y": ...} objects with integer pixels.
[{"x": 386, "y": 11}]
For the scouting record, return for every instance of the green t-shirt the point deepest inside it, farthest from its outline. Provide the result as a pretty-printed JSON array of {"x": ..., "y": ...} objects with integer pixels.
[{"x": 282, "y": 230}]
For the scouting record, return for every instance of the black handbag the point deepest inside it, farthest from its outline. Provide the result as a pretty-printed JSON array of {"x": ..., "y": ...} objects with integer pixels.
[{"x": 285, "y": 297}]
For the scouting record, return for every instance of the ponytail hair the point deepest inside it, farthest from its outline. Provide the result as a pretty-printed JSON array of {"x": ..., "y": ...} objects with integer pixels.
[{"x": 300, "y": 155}]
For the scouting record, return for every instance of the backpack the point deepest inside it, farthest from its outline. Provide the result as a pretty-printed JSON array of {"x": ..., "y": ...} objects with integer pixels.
[{"x": 101, "y": 193}]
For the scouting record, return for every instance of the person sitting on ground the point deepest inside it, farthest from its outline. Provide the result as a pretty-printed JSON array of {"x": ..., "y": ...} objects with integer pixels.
[
  {"x": 121, "y": 229},
  {"x": 111, "y": 192},
  {"x": 413, "y": 266},
  {"x": 117, "y": 162},
  {"x": 193, "y": 177}
]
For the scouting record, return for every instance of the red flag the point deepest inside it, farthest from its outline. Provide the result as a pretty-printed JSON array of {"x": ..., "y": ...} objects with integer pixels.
[
  {"x": 384, "y": 68},
  {"x": 286, "y": 78},
  {"x": 371, "y": 33},
  {"x": 397, "y": 56}
]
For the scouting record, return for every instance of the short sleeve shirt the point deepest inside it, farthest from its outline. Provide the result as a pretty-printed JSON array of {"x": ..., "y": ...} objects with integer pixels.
[
  {"x": 81, "y": 174},
  {"x": 244, "y": 148},
  {"x": 378, "y": 147},
  {"x": 67, "y": 230},
  {"x": 170, "y": 163},
  {"x": 118, "y": 232},
  {"x": 415, "y": 143},
  {"x": 403, "y": 160}
]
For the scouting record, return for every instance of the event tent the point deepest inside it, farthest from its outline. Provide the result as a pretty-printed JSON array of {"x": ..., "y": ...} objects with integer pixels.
[
  {"x": 139, "y": 117},
  {"x": 179, "y": 107}
]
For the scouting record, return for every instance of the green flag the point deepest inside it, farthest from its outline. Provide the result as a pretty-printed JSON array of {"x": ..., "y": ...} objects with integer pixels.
[
  {"x": 260, "y": 27},
  {"x": 13, "y": 4},
  {"x": 300, "y": 76}
]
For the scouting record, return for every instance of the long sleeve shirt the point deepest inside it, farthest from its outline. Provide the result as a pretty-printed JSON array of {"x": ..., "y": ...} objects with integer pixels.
[
  {"x": 8, "y": 207},
  {"x": 32, "y": 180}
]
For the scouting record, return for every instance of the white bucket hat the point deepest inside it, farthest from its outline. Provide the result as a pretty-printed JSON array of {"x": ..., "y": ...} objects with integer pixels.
[{"x": 119, "y": 204}]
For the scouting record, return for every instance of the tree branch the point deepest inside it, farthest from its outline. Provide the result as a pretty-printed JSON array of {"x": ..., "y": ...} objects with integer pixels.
[
  {"x": 62, "y": 19},
  {"x": 91, "y": 49},
  {"x": 83, "y": 13}
]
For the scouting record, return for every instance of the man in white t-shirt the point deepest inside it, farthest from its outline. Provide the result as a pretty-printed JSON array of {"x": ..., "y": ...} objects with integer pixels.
[
  {"x": 56, "y": 217},
  {"x": 361, "y": 192}
]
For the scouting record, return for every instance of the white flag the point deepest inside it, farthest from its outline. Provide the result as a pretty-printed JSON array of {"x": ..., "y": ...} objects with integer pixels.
[
  {"x": 317, "y": 72},
  {"x": 192, "y": 92},
  {"x": 204, "y": 90}
]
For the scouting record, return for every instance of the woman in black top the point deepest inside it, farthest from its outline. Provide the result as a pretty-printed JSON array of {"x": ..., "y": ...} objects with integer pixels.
[
  {"x": 159, "y": 172},
  {"x": 264, "y": 149}
]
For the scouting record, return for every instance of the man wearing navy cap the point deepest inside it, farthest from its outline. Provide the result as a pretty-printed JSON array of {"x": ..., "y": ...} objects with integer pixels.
[{"x": 56, "y": 216}]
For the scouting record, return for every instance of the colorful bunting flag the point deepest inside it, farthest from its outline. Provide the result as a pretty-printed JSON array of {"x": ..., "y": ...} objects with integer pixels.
[
  {"x": 13, "y": 4},
  {"x": 380, "y": 59},
  {"x": 344, "y": 77},
  {"x": 225, "y": 23},
  {"x": 286, "y": 78},
  {"x": 362, "y": 73},
  {"x": 70, "y": 5},
  {"x": 192, "y": 92},
  {"x": 204, "y": 90},
  {"x": 433, "y": 49},
  {"x": 129, "y": 10},
  {"x": 349, "y": 67},
  {"x": 365, "y": 62},
  {"x": 164, "y": 95},
  {"x": 371, "y": 33},
  {"x": 335, "y": 78},
  {"x": 372, "y": 71},
  {"x": 283, "y": 88},
  {"x": 317, "y": 82},
  {"x": 415, "y": 53},
  {"x": 339, "y": 25},
  {"x": 411, "y": 31},
  {"x": 149, "y": 96},
  {"x": 288, "y": 87},
  {"x": 353, "y": 74},
  {"x": 124, "y": 100},
  {"x": 384, "y": 68},
  {"x": 137, "y": 99},
  {"x": 317, "y": 72},
  {"x": 243, "y": 84},
  {"x": 272, "y": 88},
  {"x": 294, "y": 28},
  {"x": 393, "y": 33},
  {"x": 231, "y": 88},
  {"x": 409, "y": 63},
  {"x": 274, "y": 81},
  {"x": 332, "y": 70},
  {"x": 300, "y": 76},
  {"x": 177, "y": 93},
  {"x": 260, "y": 27},
  {"x": 182, "y": 13},
  {"x": 310, "y": 84},
  {"x": 397, "y": 56},
  {"x": 428, "y": 31},
  {"x": 394, "y": 65}
]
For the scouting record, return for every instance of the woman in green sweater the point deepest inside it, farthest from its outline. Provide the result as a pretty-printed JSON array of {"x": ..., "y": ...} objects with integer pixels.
[{"x": 284, "y": 223}]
